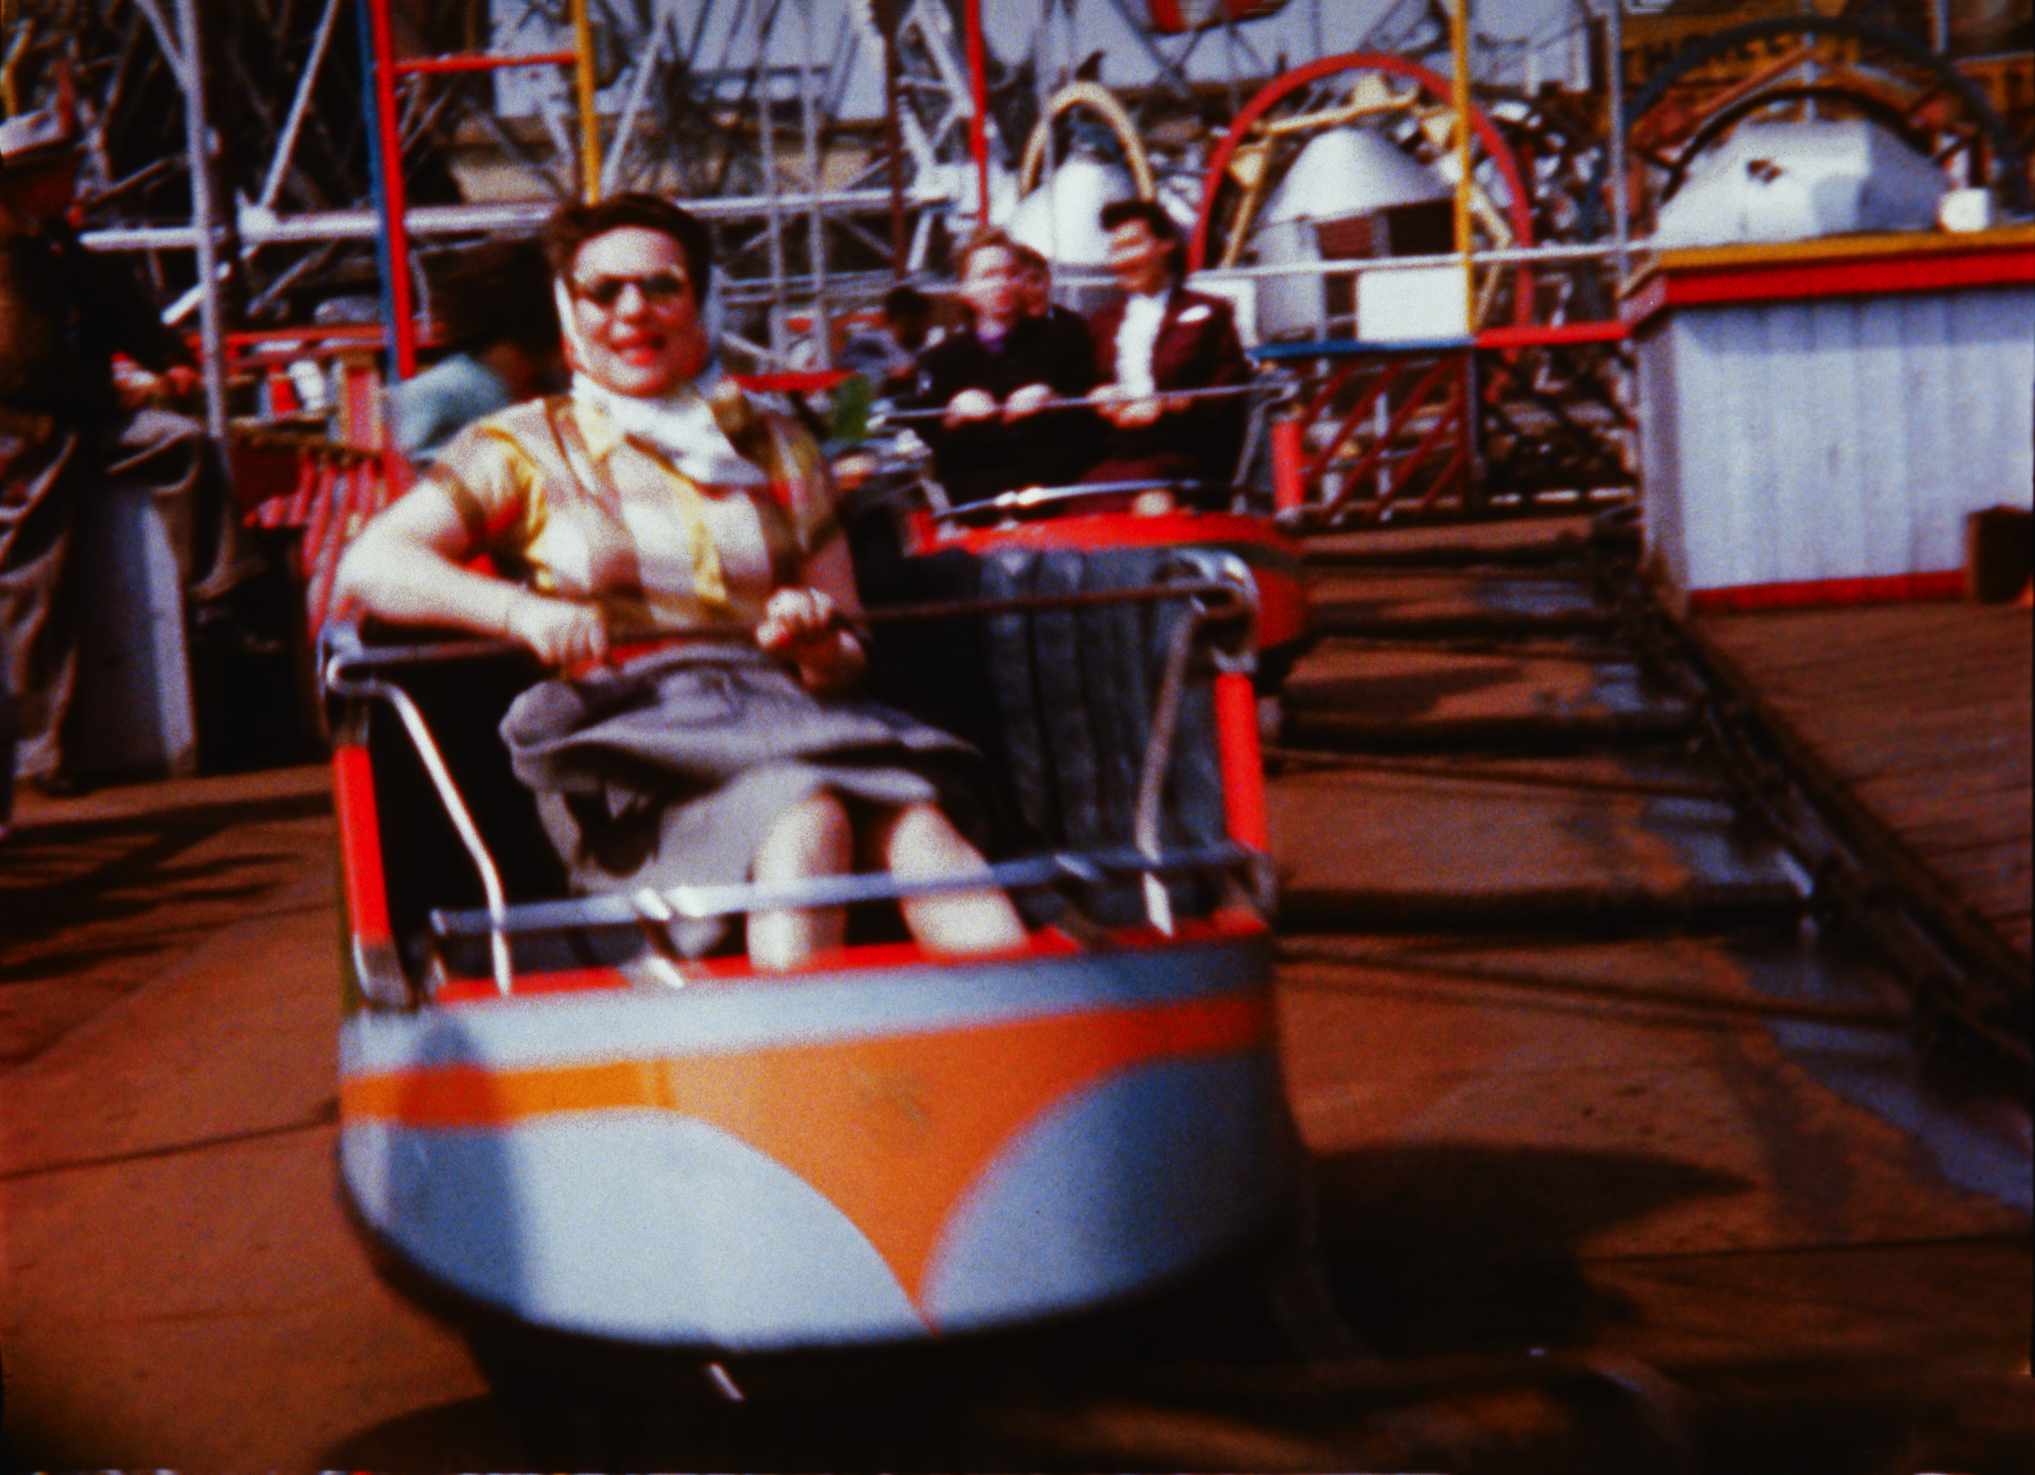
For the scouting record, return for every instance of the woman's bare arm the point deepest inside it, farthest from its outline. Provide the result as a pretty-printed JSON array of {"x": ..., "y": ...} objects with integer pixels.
[{"x": 409, "y": 566}]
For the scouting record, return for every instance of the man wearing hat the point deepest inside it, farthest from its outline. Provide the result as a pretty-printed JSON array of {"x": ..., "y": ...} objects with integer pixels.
[{"x": 73, "y": 425}]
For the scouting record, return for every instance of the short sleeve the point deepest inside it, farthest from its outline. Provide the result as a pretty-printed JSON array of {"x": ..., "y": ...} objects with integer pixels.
[{"x": 491, "y": 482}]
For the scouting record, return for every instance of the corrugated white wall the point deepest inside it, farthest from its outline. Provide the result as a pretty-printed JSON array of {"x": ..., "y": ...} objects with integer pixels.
[{"x": 1834, "y": 438}]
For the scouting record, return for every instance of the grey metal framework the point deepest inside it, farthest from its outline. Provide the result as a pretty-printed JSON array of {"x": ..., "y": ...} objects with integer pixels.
[{"x": 770, "y": 115}]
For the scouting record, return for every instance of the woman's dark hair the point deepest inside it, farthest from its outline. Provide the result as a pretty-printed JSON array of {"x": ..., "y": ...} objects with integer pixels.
[
  {"x": 574, "y": 224},
  {"x": 1151, "y": 212},
  {"x": 1152, "y": 215},
  {"x": 904, "y": 303}
]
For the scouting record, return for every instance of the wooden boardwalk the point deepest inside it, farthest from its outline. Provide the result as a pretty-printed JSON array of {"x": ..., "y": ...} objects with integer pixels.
[
  {"x": 1917, "y": 716},
  {"x": 1702, "y": 1168}
]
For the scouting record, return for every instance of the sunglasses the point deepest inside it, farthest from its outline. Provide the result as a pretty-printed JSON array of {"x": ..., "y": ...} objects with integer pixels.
[{"x": 658, "y": 289}]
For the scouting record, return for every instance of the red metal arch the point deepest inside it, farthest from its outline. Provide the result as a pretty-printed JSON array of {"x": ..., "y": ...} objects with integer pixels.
[{"x": 1434, "y": 84}]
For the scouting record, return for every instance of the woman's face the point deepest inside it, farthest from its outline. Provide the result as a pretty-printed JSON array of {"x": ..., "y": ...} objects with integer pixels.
[
  {"x": 1137, "y": 257},
  {"x": 639, "y": 330},
  {"x": 994, "y": 285}
]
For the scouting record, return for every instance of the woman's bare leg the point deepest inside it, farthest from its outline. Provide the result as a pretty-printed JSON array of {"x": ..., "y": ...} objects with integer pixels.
[
  {"x": 813, "y": 839},
  {"x": 919, "y": 843}
]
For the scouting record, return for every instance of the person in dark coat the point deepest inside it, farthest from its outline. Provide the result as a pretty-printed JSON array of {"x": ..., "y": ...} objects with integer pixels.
[
  {"x": 82, "y": 351},
  {"x": 992, "y": 378},
  {"x": 1160, "y": 336},
  {"x": 888, "y": 354},
  {"x": 1038, "y": 301}
]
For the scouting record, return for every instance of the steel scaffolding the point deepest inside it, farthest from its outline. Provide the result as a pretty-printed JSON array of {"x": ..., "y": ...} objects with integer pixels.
[{"x": 834, "y": 145}]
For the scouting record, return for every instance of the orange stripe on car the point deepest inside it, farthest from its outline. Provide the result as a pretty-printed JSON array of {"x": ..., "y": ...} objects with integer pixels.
[{"x": 911, "y": 1121}]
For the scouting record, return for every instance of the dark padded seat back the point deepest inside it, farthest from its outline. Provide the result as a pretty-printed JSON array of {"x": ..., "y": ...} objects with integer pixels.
[{"x": 1060, "y": 701}]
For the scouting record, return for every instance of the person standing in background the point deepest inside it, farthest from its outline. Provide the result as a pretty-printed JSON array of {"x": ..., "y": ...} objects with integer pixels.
[
  {"x": 887, "y": 355},
  {"x": 83, "y": 352}
]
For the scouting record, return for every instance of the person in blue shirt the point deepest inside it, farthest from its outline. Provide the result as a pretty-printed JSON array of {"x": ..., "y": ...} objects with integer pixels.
[{"x": 498, "y": 317}]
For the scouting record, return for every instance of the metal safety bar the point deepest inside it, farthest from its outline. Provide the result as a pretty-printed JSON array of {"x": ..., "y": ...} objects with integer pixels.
[
  {"x": 448, "y": 794},
  {"x": 1159, "y": 757},
  {"x": 1228, "y": 600},
  {"x": 1033, "y": 498},
  {"x": 622, "y": 909},
  {"x": 1084, "y": 402}
]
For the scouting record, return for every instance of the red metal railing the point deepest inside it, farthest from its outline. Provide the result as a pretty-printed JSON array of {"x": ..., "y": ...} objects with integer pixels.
[
  {"x": 320, "y": 488},
  {"x": 1454, "y": 384}
]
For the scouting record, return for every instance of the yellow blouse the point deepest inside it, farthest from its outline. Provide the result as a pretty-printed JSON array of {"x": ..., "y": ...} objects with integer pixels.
[{"x": 561, "y": 499}]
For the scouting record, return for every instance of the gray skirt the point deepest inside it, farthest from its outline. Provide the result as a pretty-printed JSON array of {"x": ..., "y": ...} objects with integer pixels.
[{"x": 671, "y": 769}]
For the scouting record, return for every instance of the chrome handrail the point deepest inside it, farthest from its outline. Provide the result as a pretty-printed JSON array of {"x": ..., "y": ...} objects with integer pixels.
[
  {"x": 701, "y": 902},
  {"x": 1033, "y": 499},
  {"x": 338, "y": 683}
]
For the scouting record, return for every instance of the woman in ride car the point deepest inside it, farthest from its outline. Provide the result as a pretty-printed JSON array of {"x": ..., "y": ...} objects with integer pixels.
[{"x": 668, "y": 546}]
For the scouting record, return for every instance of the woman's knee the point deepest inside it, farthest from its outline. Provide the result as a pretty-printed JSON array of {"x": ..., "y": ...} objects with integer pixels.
[
  {"x": 919, "y": 843},
  {"x": 919, "y": 840},
  {"x": 811, "y": 838}
]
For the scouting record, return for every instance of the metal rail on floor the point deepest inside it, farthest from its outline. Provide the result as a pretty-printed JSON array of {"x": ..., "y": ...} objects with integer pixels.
[{"x": 1970, "y": 992}]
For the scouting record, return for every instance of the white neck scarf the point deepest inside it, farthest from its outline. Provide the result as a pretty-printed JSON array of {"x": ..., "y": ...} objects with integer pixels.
[
  {"x": 1136, "y": 337},
  {"x": 681, "y": 426}
]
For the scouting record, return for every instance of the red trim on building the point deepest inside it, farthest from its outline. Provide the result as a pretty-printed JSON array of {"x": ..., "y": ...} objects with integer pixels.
[
  {"x": 1539, "y": 335},
  {"x": 1881, "y": 589},
  {"x": 1698, "y": 284}
]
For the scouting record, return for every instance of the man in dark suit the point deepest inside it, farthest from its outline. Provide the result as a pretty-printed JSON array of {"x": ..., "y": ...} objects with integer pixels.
[
  {"x": 995, "y": 379},
  {"x": 1158, "y": 338}
]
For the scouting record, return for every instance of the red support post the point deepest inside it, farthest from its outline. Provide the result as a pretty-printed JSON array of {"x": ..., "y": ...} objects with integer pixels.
[
  {"x": 393, "y": 200},
  {"x": 978, "y": 121},
  {"x": 367, "y": 903},
  {"x": 1243, "y": 765},
  {"x": 1289, "y": 478}
]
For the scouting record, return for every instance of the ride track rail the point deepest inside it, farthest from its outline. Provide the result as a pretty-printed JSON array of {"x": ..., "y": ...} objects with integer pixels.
[{"x": 1968, "y": 992}]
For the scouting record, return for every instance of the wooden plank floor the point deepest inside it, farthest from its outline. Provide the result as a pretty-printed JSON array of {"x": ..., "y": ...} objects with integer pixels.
[{"x": 1920, "y": 714}]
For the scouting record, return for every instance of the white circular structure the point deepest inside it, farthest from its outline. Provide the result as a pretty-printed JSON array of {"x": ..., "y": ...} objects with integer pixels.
[
  {"x": 1339, "y": 200},
  {"x": 1062, "y": 218},
  {"x": 1796, "y": 180}
]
